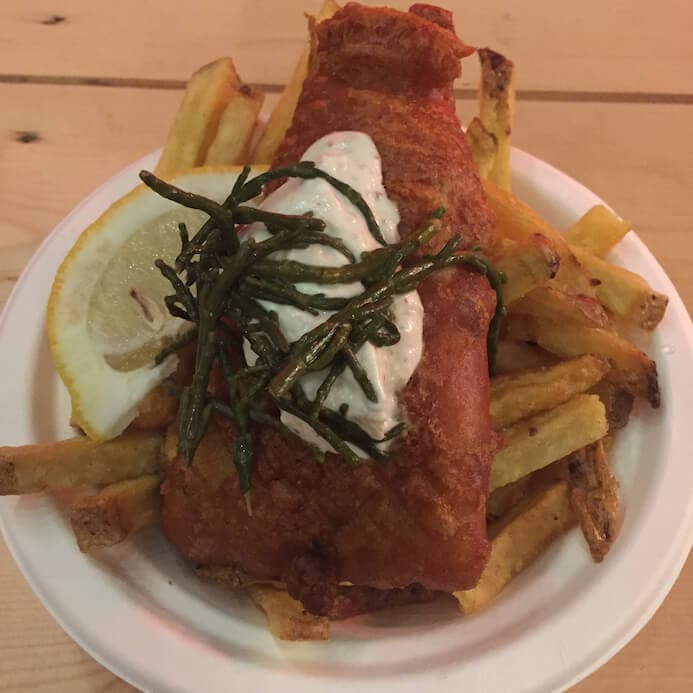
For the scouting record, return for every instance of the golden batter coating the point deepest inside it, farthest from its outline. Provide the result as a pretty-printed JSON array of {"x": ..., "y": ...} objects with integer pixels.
[{"x": 418, "y": 516}]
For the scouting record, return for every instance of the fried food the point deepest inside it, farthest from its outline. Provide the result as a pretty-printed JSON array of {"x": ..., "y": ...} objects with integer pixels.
[
  {"x": 496, "y": 110},
  {"x": 286, "y": 617},
  {"x": 231, "y": 143},
  {"x": 116, "y": 512},
  {"x": 560, "y": 305},
  {"x": 76, "y": 462},
  {"x": 232, "y": 577},
  {"x": 632, "y": 369},
  {"x": 417, "y": 516},
  {"x": 623, "y": 292},
  {"x": 594, "y": 496},
  {"x": 518, "y": 541},
  {"x": 518, "y": 395},
  {"x": 518, "y": 221},
  {"x": 526, "y": 265},
  {"x": 584, "y": 275},
  {"x": 156, "y": 410},
  {"x": 212, "y": 90},
  {"x": 513, "y": 356},
  {"x": 617, "y": 402},
  {"x": 540, "y": 440},
  {"x": 352, "y": 600},
  {"x": 597, "y": 231},
  {"x": 504, "y": 498},
  {"x": 484, "y": 146},
  {"x": 349, "y": 600},
  {"x": 283, "y": 111},
  {"x": 362, "y": 68},
  {"x": 317, "y": 536}
]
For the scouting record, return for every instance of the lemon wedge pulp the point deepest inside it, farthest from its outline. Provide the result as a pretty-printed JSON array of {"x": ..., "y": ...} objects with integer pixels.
[{"x": 106, "y": 316}]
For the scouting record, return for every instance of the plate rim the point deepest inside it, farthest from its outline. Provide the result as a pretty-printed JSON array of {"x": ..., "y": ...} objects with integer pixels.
[{"x": 678, "y": 550}]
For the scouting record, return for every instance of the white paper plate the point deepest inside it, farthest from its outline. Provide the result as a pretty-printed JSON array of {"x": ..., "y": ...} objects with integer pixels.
[{"x": 139, "y": 610}]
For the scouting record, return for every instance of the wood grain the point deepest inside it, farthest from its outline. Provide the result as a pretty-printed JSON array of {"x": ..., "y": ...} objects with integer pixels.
[
  {"x": 36, "y": 654},
  {"x": 92, "y": 132},
  {"x": 619, "y": 46},
  {"x": 633, "y": 156}
]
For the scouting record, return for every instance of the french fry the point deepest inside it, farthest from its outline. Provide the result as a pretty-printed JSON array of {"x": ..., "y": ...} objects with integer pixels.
[
  {"x": 631, "y": 369},
  {"x": 617, "y": 402},
  {"x": 594, "y": 497},
  {"x": 484, "y": 146},
  {"x": 597, "y": 231},
  {"x": 69, "y": 463},
  {"x": 232, "y": 577},
  {"x": 283, "y": 112},
  {"x": 518, "y": 221},
  {"x": 157, "y": 409},
  {"x": 286, "y": 617},
  {"x": 207, "y": 95},
  {"x": 225, "y": 575},
  {"x": 526, "y": 265},
  {"x": 116, "y": 512},
  {"x": 505, "y": 498},
  {"x": 231, "y": 143},
  {"x": 623, "y": 292},
  {"x": 517, "y": 542},
  {"x": 512, "y": 356},
  {"x": 536, "y": 442},
  {"x": 555, "y": 303},
  {"x": 518, "y": 395},
  {"x": 496, "y": 109}
]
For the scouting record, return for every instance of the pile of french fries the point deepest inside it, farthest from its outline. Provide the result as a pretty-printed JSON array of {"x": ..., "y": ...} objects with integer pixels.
[{"x": 567, "y": 373}]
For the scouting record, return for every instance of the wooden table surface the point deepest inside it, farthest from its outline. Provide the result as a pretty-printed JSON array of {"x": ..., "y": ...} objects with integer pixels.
[{"x": 605, "y": 93}]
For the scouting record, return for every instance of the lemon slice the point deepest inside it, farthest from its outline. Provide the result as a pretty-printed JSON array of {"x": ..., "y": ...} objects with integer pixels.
[{"x": 106, "y": 316}]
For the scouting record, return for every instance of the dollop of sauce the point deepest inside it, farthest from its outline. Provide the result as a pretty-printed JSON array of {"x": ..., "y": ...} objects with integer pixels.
[{"x": 353, "y": 158}]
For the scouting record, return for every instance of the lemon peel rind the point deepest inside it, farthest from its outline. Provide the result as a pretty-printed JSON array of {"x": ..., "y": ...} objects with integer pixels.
[{"x": 92, "y": 384}]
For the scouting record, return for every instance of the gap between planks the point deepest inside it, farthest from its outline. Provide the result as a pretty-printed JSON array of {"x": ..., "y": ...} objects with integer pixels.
[{"x": 564, "y": 96}]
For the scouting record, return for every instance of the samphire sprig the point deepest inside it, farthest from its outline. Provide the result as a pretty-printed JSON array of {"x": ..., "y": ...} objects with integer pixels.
[{"x": 220, "y": 279}]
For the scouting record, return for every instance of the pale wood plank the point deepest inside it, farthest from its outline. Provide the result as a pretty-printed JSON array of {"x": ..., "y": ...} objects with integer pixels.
[
  {"x": 636, "y": 157},
  {"x": 35, "y": 653},
  {"x": 89, "y": 133},
  {"x": 624, "y": 45},
  {"x": 14, "y": 258},
  {"x": 85, "y": 136},
  {"x": 633, "y": 155}
]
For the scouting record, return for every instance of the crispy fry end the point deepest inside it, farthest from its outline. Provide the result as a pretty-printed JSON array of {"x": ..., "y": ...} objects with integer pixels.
[
  {"x": 116, "y": 512},
  {"x": 286, "y": 617},
  {"x": 594, "y": 496},
  {"x": 77, "y": 462},
  {"x": 517, "y": 542},
  {"x": 496, "y": 110},
  {"x": 283, "y": 111}
]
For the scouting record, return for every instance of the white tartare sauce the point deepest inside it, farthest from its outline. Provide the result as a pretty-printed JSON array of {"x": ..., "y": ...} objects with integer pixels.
[{"x": 351, "y": 157}]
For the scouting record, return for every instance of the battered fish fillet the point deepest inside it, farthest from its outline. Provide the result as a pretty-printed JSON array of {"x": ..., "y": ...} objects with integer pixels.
[
  {"x": 416, "y": 518},
  {"x": 390, "y": 74}
]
